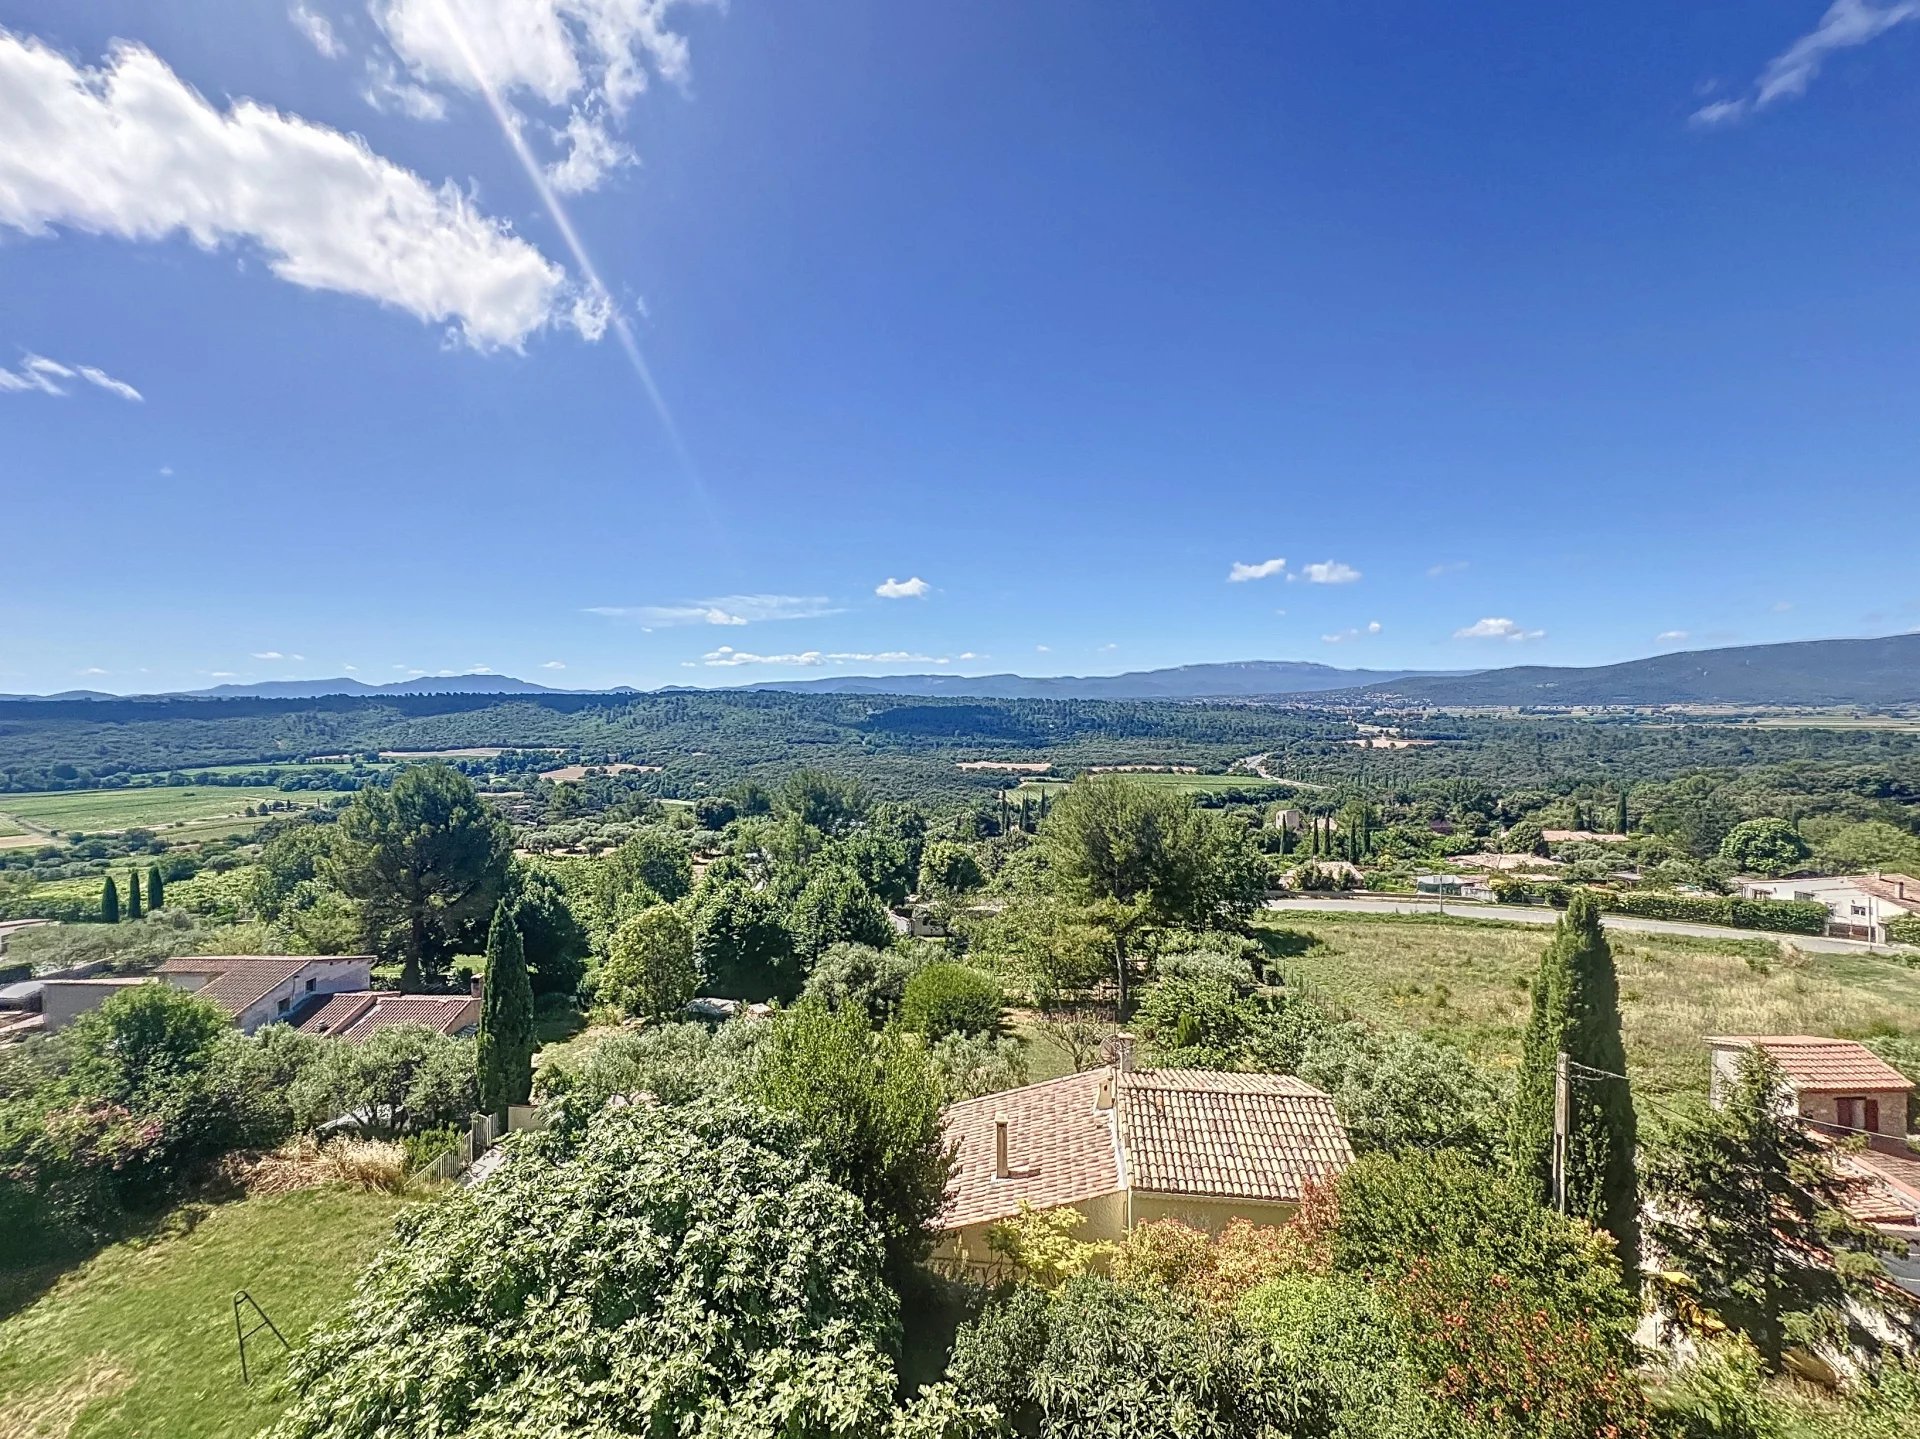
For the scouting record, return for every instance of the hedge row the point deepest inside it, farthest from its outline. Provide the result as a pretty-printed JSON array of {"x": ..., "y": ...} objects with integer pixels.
[
  {"x": 1778, "y": 916},
  {"x": 1905, "y": 929}
]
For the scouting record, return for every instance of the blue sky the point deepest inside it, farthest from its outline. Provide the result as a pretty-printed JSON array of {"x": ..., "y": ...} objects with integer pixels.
[{"x": 985, "y": 337}]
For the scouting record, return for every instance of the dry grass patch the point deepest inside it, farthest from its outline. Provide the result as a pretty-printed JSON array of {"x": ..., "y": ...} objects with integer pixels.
[{"x": 373, "y": 1166}]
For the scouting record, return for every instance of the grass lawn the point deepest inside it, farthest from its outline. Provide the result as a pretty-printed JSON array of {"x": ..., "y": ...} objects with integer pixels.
[
  {"x": 1466, "y": 980},
  {"x": 138, "y": 1341},
  {"x": 199, "y": 810}
]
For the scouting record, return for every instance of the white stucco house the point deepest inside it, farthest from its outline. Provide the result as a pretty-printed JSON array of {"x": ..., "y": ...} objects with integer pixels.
[{"x": 1858, "y": 905}]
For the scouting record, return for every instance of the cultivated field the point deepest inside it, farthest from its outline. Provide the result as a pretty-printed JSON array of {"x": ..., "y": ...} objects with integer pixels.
[
  {"x": 1466, "y": 981},
  {"x": 138, "y": 1341},
  {"x": 1179, "y": 783},
  {"x": 199, "y": 809}
]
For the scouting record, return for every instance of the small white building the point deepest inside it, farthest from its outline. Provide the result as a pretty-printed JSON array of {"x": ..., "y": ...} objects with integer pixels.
[
  {"x": 259, "y": 989},
  {"x": 1453, "y": 886},
  {"x": 1858, "y": 905}
]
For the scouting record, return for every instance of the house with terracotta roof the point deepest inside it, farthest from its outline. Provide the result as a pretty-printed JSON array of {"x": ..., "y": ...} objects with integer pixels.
[
  {"x": 1849, "y": 1094},
  {"x": 1124, "y": 1147},
  {"x": 1859, "y": 906},
  {"x": 356, "y": 1013},
  {"x": 259, "y": 989}
]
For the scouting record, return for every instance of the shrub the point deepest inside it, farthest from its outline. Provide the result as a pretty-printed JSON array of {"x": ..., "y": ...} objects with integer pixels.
[
  {"x": 650, "y": 967},
  {"x": 942, "y": 999},
  {"x": 862, "y": 976}
]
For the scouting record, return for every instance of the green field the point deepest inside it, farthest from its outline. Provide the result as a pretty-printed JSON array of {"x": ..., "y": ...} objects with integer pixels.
[
  {"x": 1465, "y": 980},
  {"x": 1178, "y": 783},
  {"x": 283, "y": 766},
  {"x": 198, "y": 808},
  {"x": 138, "y": 1341}
]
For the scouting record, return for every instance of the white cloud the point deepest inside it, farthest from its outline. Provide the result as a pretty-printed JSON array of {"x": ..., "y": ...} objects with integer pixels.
[
  {"x": 220, "y": 674},
  {"x": 277, "y": 655},
  {"x": 1846, "y": 24},
  {"x": 1108, "y": 648},
  {"x": 130, "y": 151},
  {"x": 1259, "y": 570},
  {"x": 1450, "y": 567},
  {"x": 386, "y": 89},
  {"x": 591, "y": 155},
  {"x": 593, "y": 57},
  {"x": 913, "y": 589},
  {"x": 554, "y": 665},
  {"x": 1329, "y": 572},
  {"x": 1669, "y": 637},
  {"x": 1340, "y": 637},
  {"x": 318, "y": 31},
  {"x": 1497, "y": 629},
  {"x": 1043, "y": 649},
  {"x": 970, "y": 655},
  {"x": 350, "y": 669},
  {"x": 91, "y": 670},
  {"x": 39, "y": 374},
  {"x": 728, "y": 655},
  {"x": 721, "y": 610}
]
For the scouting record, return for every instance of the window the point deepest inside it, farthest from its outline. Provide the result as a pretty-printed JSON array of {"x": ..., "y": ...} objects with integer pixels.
[
  {"x": 1803, "y": 894},
  {"x": 1859, "y": 909},
  {"x": 286, "y": 1003},
  {"x": 1856, "y": 1111},
  {"x": 311, "y": 982}
]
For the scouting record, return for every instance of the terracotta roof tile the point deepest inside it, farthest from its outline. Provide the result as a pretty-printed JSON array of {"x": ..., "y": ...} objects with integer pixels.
[
  {"x": 1060, "y": 1146},
  {"x": 1810, "y": 1061},
  {"x": 1902, "y": 890},
  {"x": 239, "y": 980},
  {"x": 355, "y": 1014},
  {"x": 1228, "y": 1136}
]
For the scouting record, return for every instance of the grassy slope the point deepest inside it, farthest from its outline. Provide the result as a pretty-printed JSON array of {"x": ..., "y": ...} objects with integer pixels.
[
  {"x": 139, "y": 1340},
  {"x": 108, "y": 809},
  {"x": 1466, "y": 981}
]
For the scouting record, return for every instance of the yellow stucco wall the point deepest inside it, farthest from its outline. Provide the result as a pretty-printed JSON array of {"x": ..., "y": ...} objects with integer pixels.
[
  {"x": 1110, "y": 1217},
  {"x": 1212, "y": 1215}
]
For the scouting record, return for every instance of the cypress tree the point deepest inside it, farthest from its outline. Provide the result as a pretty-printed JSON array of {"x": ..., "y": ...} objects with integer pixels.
[
  {"x": 1576, "y": 1008},
  {"x": 156, "y": 890},
  {"x": 134, "y": 910},
  {"x": 1026, "y": 813},
  {"x": 503, "y": 1050},
  {"x": 110, "y": 903},
  {"x": 1620, "y": 815}
]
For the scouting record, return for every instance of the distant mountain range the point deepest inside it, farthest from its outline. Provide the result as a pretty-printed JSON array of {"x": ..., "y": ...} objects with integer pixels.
[
  {"x": 1878, "y": 672},
  {"x": 1240, "y": 679},
  {"x": 1874, "y": 672}
]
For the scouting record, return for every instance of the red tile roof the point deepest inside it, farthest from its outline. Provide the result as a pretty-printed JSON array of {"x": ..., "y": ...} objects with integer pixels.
[
  {"x": 1061, "y": 1148},
  {"x": 1887, "y": 1175},
  {"x": 1810, "y": 1061},
  {"x": 1172, "y": 1131},
  {"x": 357, "y": 1013},
  {"x": 239, "y": 981},
  {"x": 1228, "y": 1136},
  {"x": 1897, "y": 889}
]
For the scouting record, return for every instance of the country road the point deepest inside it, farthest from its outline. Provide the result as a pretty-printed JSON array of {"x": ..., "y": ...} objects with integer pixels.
[{"x": 1541, "y": 915}]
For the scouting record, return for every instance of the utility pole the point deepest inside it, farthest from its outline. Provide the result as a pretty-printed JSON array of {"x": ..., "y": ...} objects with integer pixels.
[{"x": 1560, "y": 1108}]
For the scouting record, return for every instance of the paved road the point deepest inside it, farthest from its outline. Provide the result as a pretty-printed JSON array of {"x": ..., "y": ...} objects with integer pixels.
[{"x": 1531, "y": 914}]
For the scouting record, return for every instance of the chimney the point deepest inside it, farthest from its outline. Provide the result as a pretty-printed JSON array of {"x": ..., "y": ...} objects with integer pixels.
[
  {"x": 1001, "y": 1169},
  {"x": 1103, "y": 1096},
  {"x": 1123, "y": 1053},
  {"x": 474, "y": 983}
]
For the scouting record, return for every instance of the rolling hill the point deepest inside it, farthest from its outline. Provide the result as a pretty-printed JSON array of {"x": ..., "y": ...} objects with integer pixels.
[{"x": 1240, "y": 679}]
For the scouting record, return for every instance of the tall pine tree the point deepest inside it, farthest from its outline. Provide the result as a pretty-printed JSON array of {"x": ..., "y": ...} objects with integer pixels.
[
  {"x": 503, "y": 1050},
  {"x": 1576, "y": 1008},
  {"x": 156, "y": 889},
  {"x": 134, "y": 911},
  {"x": 1620, "y": 815},
  {"x": 110, "y": 903}
]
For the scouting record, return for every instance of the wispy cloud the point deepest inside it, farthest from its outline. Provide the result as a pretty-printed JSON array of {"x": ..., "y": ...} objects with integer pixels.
[
  {"x": 317, "y": 29},
  {"x": 1780, "y": 607},
  {"x": 913, "y": 589},
  {"x": 91, "y": 670},
  {"x": 720, "y": 610},
  {"x": 1341, "y": 637},
  {"x": 1328, "y": 572},
  {"x": 40, "y": 375},
  {"x": 1497, "y": 629},
  {"x": 554, "y": 665},
  {"x": 1243, "y": 571},
  {"x": 1670, "y": 637},
  {"x": 728, "y": 656},
  {"x": 1450, "y": 567},
  {"x": 274, "y": 655},
  {"x": 1846, "y": 24}
]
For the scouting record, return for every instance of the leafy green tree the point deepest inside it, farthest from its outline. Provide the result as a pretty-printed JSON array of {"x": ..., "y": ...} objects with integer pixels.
[
  {"x": 942, "y": 999},
  {"x": 829, "y": 803},
  {"x": 882, "y": 861},
  {"x": 503, "y": 1049},
  {"x": 553, "y": 938},
  {"x": 863, "y": 976},
  {"x": 836, "y": 906},
  {"x": 1765, "y": 846},
  {"x": 1524, "y": 837},
  {"x": 949, "y": 867},
  {"x": 428, "y": 860},
  {"x": 110, "y": 903},
  {"x": 1398, "y": 1091},
  {"x": 134, "y": 907},
  {"x": 156, "y": 888},
  {"x": 1872, "y": 844},
  {"x": 650, "y": 969},
  {"x": 1576, "y": 1009},
  {"x": 741, "y": 940},
  {"x": 714, "y": 811},
  {"x": 1620, "y": 814},
  {"x": 871, "y": 1103},
  {"x": 1751, "y": 1212},
  {"x": 754, "y": 1306},
  {"x": 654, "y": 861},
  {"x": 402, "y": 1078}
]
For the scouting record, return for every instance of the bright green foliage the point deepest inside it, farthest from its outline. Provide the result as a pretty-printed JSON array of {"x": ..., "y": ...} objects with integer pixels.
[
  {"x": 650, "y": 968},
  {"x": 404, "y": 1078},
  {"x": 110, "y": 902},
  {"x": 1765, "y": 846},
  {"x": 943, "y": 999},
  {"x": 949, "y": 867},
  {"x": 1397, "y": 1091},
  {"x": 675, "y": 1063},
  {"x": 653, "y": 1272},
  {"x": 836, "y": 906},
  {"x": 1203, "y": 1013},
  {"x": 871, "y": 1103},
  {"x": 1576, "y": 1008},
  {"x": 861, "y": 975},
  {"x": 654, "y": 860},
  {"x": 741, "y": 940},
  {"x": 1524, "y": 837},
  {"x": 156, "y": 888},
  {"x": 428, "y": 860},
  {"x": 134, "y": 908},
  {"x": 970, "y": 1065},
  {"x": 503, "y": 1049},
  {"x": 1750, "y": 1211},
  {"x": 882, "y": 861},
  {"x": 830, "y": 803}
]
